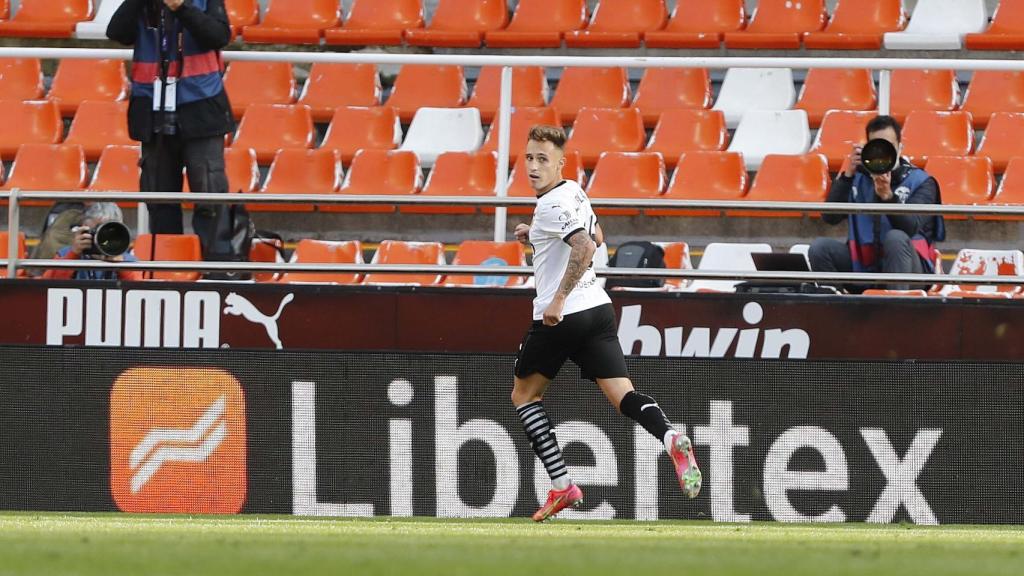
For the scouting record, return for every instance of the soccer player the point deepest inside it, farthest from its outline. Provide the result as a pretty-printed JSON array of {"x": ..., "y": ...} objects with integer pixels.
[{"x": 573, "y": 319}]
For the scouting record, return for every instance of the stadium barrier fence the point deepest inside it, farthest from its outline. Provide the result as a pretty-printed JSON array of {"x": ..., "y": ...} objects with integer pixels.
[{"x": 402, "y": 434}]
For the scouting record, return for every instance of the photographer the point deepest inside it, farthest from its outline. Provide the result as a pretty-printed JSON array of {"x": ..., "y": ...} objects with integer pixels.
[
  {"x": 83, "y": 248},
  {"x": 176, "y": 63},
  {"x": 891, "y": 243}
]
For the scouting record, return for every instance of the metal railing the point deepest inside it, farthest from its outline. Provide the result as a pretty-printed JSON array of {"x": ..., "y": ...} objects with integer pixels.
[
  {"x": 501, "y": 201},
  {"x": 14, "y": 198}
]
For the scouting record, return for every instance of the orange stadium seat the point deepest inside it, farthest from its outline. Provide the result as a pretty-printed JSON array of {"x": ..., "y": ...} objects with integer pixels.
[
  {"x": 78, "y": 80},
  {"x": 529, "y": 89},
  {"x": 458, "y": 174},
  {"x": 21, "y": 78},
  {"x": 241, "y": 13},
  {"x": 519, "y": 183},
  {"x": 1002, "y": 140},
  {"x": 398, "y": 252},
  {"x": 699, "y": 24},
  {"x": 266, "y": 250},
  {"x": 928, "y": 133},
  {"x": 377, "y": 23},
  {"x": 22, "y": 251},
  {"x": 242, "y": 170},
  {"x": 326, "y": 252},
  {"x": 355, "y": 128},
  {"x": 169, "y": 248},
  {"x": 294, "y": 22},
  {"x": 5, "y": 9},
  {"x": 117, "y": 170},
  {"x": 590, "y": 88},
  {"x": 266, "y": 128},
  {"x": 664, "y": 89},
  {"x": 681, "y": 131},
  {"x": 639, "y": 175},
  {"x": 600, "y": 130},
  {"x": 1006, "y": 31},
  {"x": 47, "y": 18},
  {"x": 923, "y": 90},
  {"x": 779, "y": 24},
  {"x": 47, "y": 167},
  {"x": 785, "y": 178},
  {"x": 677, "y": 257},
  {"x": 99, "y": 124},
  {"x": 619, "y": 24},
  {"x": 379, "y": 173},
  {"x": 962, "y": 180},
  {"x": 460, "y": 23},
  {"x": 330, "y": 86},
  {"x": 299, "y": 171},
  {"x": 419, "y": 86},
  {"x": 540, "y": 24},
  {"x": 33, "y": 121},
  {"x": 258, "y": 83},
  {"x": 523, "y": 119},
  {"x": 993, "y": 91},
  {"x": 840, "y": 130},
  {"x": 858, "y": 25},
  {"x": 486, "y": 253},
  {"x": 1011, "y": 187},
  {"x": 894, "y": 293},
  {"x": 705, "y": 175},
  {"x": 829, "y": 89}
]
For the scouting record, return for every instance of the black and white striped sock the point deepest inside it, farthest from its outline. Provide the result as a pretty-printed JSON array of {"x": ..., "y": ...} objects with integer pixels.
[{"x": 538, "y": 431}]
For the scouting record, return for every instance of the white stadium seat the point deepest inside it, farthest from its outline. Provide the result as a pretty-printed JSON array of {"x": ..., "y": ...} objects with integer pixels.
[
  {"x": 939, "y": 25},
  {"x": 745, "y": 89},
  {"x": 726, "y": 256},
  {"x": 435, "y": 131},
  {"x": 96, "y": 29},
  {"x": 764, "y": 132}
]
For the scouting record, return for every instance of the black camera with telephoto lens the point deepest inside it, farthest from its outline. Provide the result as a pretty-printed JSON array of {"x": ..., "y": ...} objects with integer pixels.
[
  {"x": 879, "y": 156},
  {"x": 109, "y": 239}
]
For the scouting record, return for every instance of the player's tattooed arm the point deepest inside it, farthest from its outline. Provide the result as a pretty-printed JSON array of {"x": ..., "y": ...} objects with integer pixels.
[{"x": 582, "y": 254}]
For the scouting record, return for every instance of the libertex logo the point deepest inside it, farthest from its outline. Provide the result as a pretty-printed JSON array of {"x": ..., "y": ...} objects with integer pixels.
[{"x": 177, "y": 441}]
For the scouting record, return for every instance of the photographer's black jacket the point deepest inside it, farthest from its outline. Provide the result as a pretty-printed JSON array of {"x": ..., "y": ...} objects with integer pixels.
[{"x": 210, "y": 30}]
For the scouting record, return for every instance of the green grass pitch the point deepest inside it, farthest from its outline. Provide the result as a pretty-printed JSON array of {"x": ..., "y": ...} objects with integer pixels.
[{"x": 88, "y": 544}]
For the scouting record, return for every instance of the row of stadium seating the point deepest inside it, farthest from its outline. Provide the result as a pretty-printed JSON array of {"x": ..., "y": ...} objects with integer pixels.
[
  {"x": 775, "y": 24},
  {"x": 329, "y": 86},
  {"x": 715, "y": 256},
  {"x": 698, "y": 175}
]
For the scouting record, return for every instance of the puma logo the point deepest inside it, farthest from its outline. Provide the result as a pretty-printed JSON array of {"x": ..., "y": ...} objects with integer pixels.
[{"x": 239, "y": 306}]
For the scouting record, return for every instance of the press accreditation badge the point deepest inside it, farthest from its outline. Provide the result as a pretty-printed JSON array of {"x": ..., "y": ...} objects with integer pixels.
[{"x": 170, "y": 95}]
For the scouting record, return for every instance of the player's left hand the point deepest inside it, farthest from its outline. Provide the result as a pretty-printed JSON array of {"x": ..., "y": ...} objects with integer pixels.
[
  {"x": 883, "y": 186},
  {"x": 553, "y": 314}
]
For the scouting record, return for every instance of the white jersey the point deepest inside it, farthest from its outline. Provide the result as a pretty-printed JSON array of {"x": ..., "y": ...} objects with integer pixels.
[{"x": 562, "y": 211}]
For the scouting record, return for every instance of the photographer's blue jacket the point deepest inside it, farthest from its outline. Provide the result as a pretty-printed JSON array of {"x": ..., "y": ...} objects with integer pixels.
[
  {"x": 910, "y": 185},
  {"x": 201, "y": 27}
]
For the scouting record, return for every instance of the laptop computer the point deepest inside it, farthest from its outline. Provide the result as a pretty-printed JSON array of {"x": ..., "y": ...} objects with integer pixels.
[{"x": 780, "y": 262}]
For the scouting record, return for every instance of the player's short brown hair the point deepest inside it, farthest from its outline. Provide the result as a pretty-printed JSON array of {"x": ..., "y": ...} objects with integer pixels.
[{"x": 546, "y": 133}]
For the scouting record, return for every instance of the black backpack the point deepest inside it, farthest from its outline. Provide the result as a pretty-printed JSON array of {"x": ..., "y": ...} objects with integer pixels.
[
  {"x": 637, "y": 254},
  {"x": 225, "y": 232}
]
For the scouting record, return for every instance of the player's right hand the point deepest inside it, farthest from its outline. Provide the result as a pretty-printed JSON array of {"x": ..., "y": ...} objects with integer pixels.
[
  {"x": 82, "y": 240},
  {"x": 853, "y": 160},
  {"x": 522, "y": 233}
]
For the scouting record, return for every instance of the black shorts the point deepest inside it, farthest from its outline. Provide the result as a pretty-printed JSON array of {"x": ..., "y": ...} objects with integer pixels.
[{"x": 588, "y": 338}]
